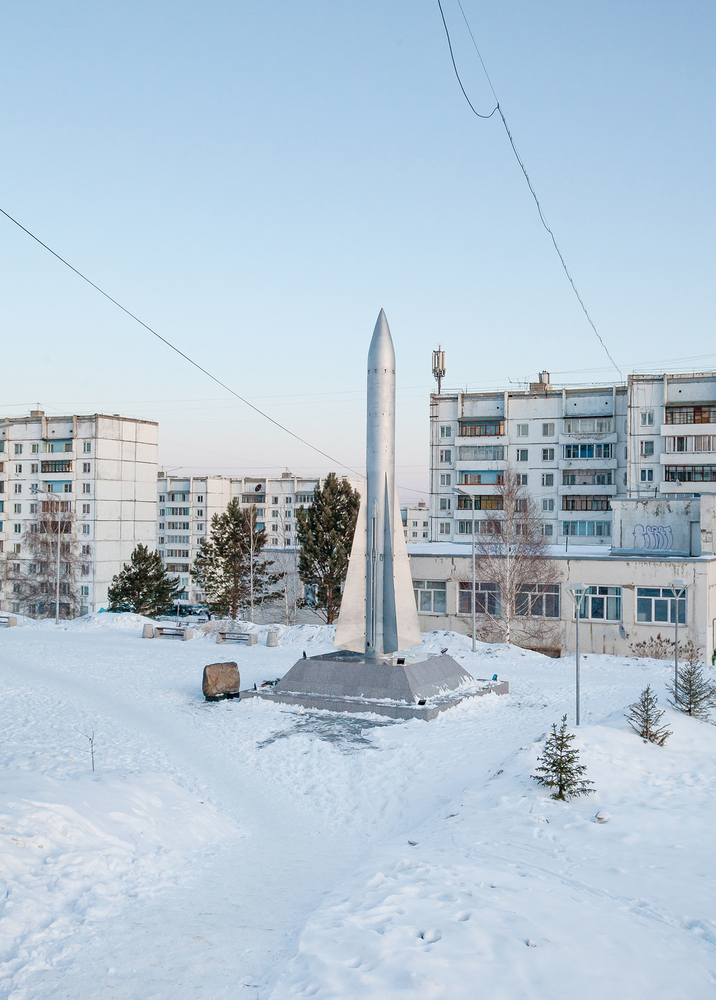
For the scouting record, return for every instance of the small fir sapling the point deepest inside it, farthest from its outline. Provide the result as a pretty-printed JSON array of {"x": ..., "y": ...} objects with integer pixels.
[
  {"x": 644, "y": 717},
  {"x": 558, "y": 767},
  {"x": 693, "y": 693}
]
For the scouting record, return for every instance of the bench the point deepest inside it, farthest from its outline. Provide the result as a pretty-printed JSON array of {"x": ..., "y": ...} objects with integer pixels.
[
  {"x": 8, "y": 621},
  {"x": 250, "y": 638},
  {"x": 169, "y": 630}
]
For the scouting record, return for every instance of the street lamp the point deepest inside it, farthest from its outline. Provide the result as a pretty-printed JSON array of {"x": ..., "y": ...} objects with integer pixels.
[
  {"x": 578, "y": 593},
  {"x": 678, "y": 589},
  {"x": 35, "y": 489},
  {"x": 472, "y": 507}
]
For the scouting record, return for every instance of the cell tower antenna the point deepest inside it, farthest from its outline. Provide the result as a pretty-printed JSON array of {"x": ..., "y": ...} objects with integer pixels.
[{"x": 439, "y": 367}]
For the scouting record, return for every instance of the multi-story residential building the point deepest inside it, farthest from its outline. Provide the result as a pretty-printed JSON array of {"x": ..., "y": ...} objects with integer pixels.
[
  {"x": 186, "y": 506},
  {"x": 416, "y": 522},
  {"x": 98, "y": 472},
  {"x": 574, "y": 449}
]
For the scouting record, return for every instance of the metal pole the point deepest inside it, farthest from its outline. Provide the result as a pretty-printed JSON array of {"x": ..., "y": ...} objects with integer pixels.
[
  {"x": 676, "y": 643},
  {"x": 472, "y": 501},
  {"x": 578, "y": 609},
  {"x": 57, "y": 580}
]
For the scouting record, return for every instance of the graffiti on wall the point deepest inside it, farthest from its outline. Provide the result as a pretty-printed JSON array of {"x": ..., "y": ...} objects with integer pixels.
[{"x": 654, "y": 537}]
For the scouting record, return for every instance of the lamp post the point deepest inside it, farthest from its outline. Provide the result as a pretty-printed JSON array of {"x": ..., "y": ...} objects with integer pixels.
[
  {"x": 578, "y": 593},
  {"x": 35, "y": 489},
  {"x": 678, "y": 589},
  {"x": 472, "y": 507}
]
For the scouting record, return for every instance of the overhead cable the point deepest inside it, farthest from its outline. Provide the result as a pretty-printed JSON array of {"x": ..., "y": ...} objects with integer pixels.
[{"x": 520, "y": 161}]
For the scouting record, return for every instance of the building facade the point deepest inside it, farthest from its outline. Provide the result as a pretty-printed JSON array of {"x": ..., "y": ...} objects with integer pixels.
[
  {"x": 96, "y": 474},
  {"x": 416, "y": 522},
  {"x": 575, "y": 450},
  {"x": 630, "y": 598}
]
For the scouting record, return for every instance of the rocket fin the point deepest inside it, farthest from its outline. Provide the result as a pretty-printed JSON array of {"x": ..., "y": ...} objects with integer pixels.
[
  {"x": 406, "y": 613},
  {"x": 350, "y": 632}
]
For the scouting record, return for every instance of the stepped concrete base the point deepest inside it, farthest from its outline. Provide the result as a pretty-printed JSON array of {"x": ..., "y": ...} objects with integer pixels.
[{"x": 401, "y": 687}]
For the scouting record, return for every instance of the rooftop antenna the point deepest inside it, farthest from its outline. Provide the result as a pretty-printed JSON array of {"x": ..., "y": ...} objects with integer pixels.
[{"x": 439, "y": 367}]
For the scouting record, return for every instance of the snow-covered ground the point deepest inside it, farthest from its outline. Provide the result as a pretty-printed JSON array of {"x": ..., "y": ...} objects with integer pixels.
[{"x": 229, "y": 849}]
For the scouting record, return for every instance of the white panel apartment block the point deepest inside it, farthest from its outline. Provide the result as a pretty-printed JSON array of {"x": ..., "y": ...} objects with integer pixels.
[{"x": 104, "y": 466}]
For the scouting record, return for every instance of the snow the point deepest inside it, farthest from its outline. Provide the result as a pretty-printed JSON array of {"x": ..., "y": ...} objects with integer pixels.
[{"x": 228, "y": 848}]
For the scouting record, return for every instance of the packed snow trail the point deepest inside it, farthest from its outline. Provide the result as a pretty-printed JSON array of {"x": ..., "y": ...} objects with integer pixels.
[{"x": 215, "y": 841}]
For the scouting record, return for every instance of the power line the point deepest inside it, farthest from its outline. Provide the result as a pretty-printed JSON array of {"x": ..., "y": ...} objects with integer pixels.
[
  {"x": 522, "y": 168},
  {"x": 176, "y": 349}
]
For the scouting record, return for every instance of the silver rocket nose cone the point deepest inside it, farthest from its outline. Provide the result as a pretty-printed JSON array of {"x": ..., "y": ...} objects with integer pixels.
[{"x": 381, "y": 353}]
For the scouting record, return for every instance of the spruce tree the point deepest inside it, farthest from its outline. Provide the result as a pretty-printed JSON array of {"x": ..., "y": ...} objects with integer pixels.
[
  {"x": 143, "y": 585},
  {"x": 325, "y": 533},
  {"x": 644, "y": 717},
  {"x": 693, "y": 694},
  {"x": 559, "y": 767},
  {"x": 229, "y": 567}
]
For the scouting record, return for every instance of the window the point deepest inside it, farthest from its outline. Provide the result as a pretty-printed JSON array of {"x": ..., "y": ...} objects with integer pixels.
[
  {"x": 446, "y": 455},
  {"x": 548, "y": 505},
  {"x": 86, "y": 488},
  {"x": 587, "y": 477},
  {"x": 548, "y": 479},
  {"x": 445, "y": 504},
  {"x": 486, "y": 502},
  {"x": 86, "y": 466},
  {"x": 84, "y": 591},
  {"x": 18, "y": 508},
  {"x": 523, "y": 430},
  {"x": 17, "y": 528},
  {"x": 588, "y": 425},
  {"x": 657, "y": 604},
  {"x": 588, "y": 451},
  {"x": 274, "y": 513},
  {"x": 18, "y": 487},
  {"x": 646, "y": 418},
  {"x": 470, "y": 478},
  {"x": 602, "y": 604},
  {"x": 178, "y": 511},
  {"x": 34, "y": 468},
  {"x": 85, "y": 529},
  {"x": 547, "y": 529},
  {"x": 646, "y": 475},
  {"x": 200, "y": 513},
  {"x": 585, "y": 503},
  {"x": 446, "y": 479},
  {"x": 288, "y": 499},
  {"x": 547, "y": 430},
  {"x": 521, "y": 505},
  {"x": 446, "y": 432},
  {"x": 18, "y": 449},
  {"x": 646, "y": 448},
  {"x": 18, "y": 470},
  {"x": 481, "y": 428},
  {"x": 68, "y": 446},
  {"x": 304, "y": 498},
  {"x": 521, "y": 479},
  {"x": 690, "y": 473},
  {"x": 601, "y": 529},
  {"x": 444, "y": 528},
  {"x": 33, "y": 508},
  {"x": 548, "y": 454},
  {"x": 178, "y": 525},
  {"x": 34, "y": 448},
  {"x": 85, "y": 508},
  {"x": 17, "y": 549},
  {"x": 481, "y": 453},
  {"x": 67, "y": 488},
  {"x": 274, "y": 500},
  {"x": 200, "y": 499},
  {"x": 200, "y": 527},
  {"x": 430, "y": 596},
  {"x": 56, "y": 467},
  {"x": 687, "y": 415},
  {"x": 487, "y": 599},
  {"x": 522, "y": 455},
  {"x": 87, "y": 446},
  {"x": 535, "y": 600}
]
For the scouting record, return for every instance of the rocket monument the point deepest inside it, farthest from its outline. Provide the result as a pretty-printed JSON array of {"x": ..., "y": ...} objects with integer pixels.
[{"x": 378, "y": 614}]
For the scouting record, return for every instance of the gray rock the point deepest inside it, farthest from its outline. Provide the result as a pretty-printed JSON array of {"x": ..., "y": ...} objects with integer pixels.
[{"x": 221, "y": 680}]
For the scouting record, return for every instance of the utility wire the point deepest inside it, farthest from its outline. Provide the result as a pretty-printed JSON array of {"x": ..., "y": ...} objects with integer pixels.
[
  {"x": 177, "y": 351},
  {"x": 522, "y": 167}
]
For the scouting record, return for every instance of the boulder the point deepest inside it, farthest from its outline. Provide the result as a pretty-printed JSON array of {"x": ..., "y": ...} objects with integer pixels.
[{"x": 221, "y": 680}]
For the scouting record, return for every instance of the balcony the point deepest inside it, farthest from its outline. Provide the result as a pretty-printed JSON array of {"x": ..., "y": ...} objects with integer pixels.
[
  {"x": 588, "y": 489},
  {"x": 578, "y": 463},
  {"x": 578, "y": 437},
  {"x": 680, "y": 430}
]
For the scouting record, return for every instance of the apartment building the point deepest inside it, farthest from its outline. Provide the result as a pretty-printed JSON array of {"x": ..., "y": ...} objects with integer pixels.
[
  {"x": 96, "y": 474},
  {"x": 576, "y": 450},
  {"x": 416, "y": 522},
  {"x": 187, "y": 504}
]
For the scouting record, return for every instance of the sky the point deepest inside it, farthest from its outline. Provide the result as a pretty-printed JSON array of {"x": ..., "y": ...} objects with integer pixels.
[{"x": 257, "y": 180}]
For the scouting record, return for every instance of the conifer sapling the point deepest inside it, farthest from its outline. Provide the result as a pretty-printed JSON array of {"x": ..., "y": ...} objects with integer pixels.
[
  {"x": 693, "y": 693},
  {"x": 644, "y": 717},
  {"x": 559, "y": 766}
]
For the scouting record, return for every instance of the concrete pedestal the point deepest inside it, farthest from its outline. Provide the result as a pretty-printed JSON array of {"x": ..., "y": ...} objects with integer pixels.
[{"x": 399, "y": 687}]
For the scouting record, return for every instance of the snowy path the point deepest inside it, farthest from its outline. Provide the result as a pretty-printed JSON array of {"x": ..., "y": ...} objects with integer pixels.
[{"x": 219, "y": 841}]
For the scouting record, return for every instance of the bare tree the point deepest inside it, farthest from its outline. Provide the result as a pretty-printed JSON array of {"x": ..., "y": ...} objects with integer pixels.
[
  {"x": 516, "y": 592},
  {"x": 32, "y": 573}
]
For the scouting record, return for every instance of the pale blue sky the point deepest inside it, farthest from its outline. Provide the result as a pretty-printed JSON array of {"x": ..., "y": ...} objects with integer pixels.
[{"x": 257, "y": 180}]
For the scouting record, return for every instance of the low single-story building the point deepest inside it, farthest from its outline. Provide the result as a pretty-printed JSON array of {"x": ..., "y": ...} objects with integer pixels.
[{"x": 630, "y": 598}]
